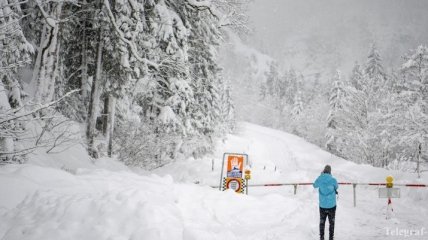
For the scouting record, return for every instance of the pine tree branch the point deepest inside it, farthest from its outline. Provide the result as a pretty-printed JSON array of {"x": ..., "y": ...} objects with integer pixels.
[
  {"x": 131, "y": 44},
  {"x": 14, "y": 65},
  {"x": 204, "y": 5},
  {"x": 44, "y": 106},
  {"x": 13, "y": 4}
]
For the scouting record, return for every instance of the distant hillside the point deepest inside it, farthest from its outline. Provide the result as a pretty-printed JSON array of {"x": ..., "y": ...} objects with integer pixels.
[{"x": 245, "y": 67}]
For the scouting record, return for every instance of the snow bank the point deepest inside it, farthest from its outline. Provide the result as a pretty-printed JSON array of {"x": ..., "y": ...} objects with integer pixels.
[
  {"x": 100, "y": 204},
  {"x": 68, "y": 196}
]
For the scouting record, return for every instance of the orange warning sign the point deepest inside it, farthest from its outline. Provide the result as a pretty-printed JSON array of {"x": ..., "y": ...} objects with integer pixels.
[
  {"x": 234, "y": 184},
  {"x": 232, "y": 172},
  {"x": 235, "y": 166}
]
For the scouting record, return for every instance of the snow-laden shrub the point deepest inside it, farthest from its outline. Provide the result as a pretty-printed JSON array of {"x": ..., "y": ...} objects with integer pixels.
[
  {"x": 149, "y": 147},
  {"x": 145, "y": 146}
]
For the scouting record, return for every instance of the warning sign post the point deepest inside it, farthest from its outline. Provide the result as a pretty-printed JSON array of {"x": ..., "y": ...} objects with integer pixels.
[
  {"x": 389, "y": 192},
  {"x": 232, "y": 172}
]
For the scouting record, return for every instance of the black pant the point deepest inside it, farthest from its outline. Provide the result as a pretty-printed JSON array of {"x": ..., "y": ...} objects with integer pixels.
[{"x": 324, "y": 213}]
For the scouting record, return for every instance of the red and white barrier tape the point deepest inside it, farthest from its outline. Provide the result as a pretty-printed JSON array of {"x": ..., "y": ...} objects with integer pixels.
[{"x": 340, "y": 183}]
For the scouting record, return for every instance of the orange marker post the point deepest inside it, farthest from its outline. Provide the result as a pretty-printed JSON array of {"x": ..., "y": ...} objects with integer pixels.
[{"x": 247, "y": 177}]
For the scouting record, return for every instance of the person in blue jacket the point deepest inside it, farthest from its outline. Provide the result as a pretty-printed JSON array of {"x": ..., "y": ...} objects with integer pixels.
[{"x": 327, "y": 190}]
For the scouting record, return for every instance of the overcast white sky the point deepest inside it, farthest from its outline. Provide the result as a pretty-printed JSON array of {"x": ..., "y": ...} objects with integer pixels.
[{"x": 320, "y": 34}]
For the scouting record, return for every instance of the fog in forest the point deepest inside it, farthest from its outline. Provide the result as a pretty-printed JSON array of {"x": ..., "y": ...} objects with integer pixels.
[{"x": 315, "y": 35}]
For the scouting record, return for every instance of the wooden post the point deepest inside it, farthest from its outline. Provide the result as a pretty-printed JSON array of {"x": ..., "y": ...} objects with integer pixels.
[
  {"x": 418, "y": 164},
  {"x": 354, "y": 186},
  {"x": 295, "y": 189}
]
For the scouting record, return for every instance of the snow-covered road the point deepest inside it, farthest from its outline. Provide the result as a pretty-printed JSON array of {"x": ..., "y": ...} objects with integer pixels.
[
  {"x": 299, "y": 161},
  {"x": 49, "y": 203}
]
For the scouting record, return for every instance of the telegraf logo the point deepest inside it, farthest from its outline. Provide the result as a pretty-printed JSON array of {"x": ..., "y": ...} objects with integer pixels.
[{"x": 403, "y": 232}]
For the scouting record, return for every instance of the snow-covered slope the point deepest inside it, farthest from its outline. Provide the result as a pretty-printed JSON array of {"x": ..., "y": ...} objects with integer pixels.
[
  {"x": 245, "y": 68},
  {"x": 42, "y": 202}
]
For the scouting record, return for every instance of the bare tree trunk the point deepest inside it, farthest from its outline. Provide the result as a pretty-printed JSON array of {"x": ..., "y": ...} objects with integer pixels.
[
  {"x": 95, "y": 98},
  {"x": 110, "y": 123},
  {"x": 54, "y": 75},
  {"x": 53, "y": 67},
  {"x": 35, "y": 80},
  {"x": 84, "y": 65},
  {"x": 104, "y": 116},
  {"x": 46, "y": 68}
]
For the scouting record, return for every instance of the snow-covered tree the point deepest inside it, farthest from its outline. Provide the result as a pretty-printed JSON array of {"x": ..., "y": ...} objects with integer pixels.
[
  {"x": 353, "y": 117},
  {"x": 366, "y": 106},
  {"x": 272, "y": 80},
  {"x": 410, "y": 108},
  {"x": 151, "y": 64},
  {"x": 77, "y": 58},
  {"x": 375, "y": 79},
  {"x": 334, "y": 119},
  {"x": 227, "y": 110},
  {"x": 183, "y": 99},
  {"x": 357, "y": 77},
  {"x": 364, "y": 102},
  {"x": 298, "y": 105},
  {"x": 292, "y": 86},
  {"x": 15, "y": 53},
  {"x": 44, "y": 26}
]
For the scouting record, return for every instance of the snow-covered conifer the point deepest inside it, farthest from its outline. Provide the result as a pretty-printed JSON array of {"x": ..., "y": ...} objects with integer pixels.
[
  {"x": 410, "y": 109},
  {"x": 333, "y": 119}
]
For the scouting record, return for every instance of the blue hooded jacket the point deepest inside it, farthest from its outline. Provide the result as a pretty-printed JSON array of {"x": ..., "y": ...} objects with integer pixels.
[{"x": 327, "y": 185}]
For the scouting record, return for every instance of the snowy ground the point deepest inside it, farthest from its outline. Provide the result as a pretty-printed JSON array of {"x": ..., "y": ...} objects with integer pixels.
[{"x": 67, "y": 197}]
